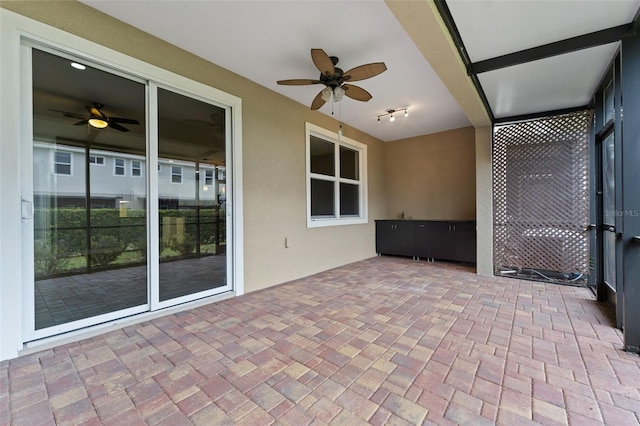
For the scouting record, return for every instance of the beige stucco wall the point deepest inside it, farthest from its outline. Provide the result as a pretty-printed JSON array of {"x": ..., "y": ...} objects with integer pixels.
[
  {"x": 432, "y": 176},
  {"x": 273, "y": 153}
]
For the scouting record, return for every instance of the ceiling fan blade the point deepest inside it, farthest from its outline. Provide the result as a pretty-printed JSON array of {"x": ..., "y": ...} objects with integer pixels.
[
  {"x": 357, "y": 93},
  {"x": 365, "y": 71},
  {"x": 123, "y": 120},
  {"x": 118, "y": 127},
  {"x": 323, "y": 62},
  {"x": 317, "y": 101},
  {"x": 298, "y": 82},
  {"x": 95, "y": 111},
  {"x": 80, "y": 123},
  {"x": 69, "y": 114}
]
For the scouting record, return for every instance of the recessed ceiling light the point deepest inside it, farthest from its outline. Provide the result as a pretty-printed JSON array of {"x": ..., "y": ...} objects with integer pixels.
[{"x": 78, "y": 66}]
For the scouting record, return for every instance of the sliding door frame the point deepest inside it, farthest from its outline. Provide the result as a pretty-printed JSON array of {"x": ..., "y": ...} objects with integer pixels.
[{"x": 30, "y": 33}]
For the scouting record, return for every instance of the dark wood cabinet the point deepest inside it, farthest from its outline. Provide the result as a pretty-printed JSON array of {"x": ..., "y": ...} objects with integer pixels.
[
  {"x": 452, "y": 240},
  {"x": 421, "y": 239},
  {"x": 441, "y": 244},
  {"x": 394, "y": 237},
  {"x": 443, "y": 240},
  {"x": 464, "y": 249}
]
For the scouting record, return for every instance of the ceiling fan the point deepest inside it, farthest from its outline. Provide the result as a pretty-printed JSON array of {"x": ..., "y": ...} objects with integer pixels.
[
  {"x": 98, "y": 119},
  {"x": 336, "y": 80}
]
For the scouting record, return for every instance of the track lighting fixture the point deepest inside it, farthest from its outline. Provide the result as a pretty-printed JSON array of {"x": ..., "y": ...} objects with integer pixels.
[{"x": 392, "y": 111}]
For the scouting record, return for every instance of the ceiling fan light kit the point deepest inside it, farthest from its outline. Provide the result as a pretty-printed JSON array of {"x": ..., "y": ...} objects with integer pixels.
[
  {"x": 98, "y": 119},
  {"x": 98, "y": 123},
  {"x": 392, "y": 111},
  {"x": 335, "y": 80}
]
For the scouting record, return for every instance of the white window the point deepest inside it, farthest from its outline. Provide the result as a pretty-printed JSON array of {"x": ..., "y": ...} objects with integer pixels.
[
  {"x": 62, "y": 163},
  {"x": 208, "y": 177},
  {"x": 136, "y": 168},
  {"x": 176, "y": 174},
  {"x": 96, "y": 160},
  {"x": 118, "y": 167},
  {"x": 336, "y": 179}
]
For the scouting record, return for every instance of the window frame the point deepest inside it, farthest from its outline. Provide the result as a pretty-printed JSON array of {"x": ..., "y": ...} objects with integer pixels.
[
  {"x": 56, "y": 163},
  {"x": 338, "y": 140},
  {"x": 172, "y": 174},
  {"x": 96, "y": 162},
  {"x": 139, "y": 169},
  {"x": 208, "y": 176},
  {"x": 115, "y": 167}
]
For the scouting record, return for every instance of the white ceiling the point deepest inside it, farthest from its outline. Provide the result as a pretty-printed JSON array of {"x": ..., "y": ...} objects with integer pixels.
[
  {"x": 268, "y": 40},
  {"x": 492, "y": 28}
]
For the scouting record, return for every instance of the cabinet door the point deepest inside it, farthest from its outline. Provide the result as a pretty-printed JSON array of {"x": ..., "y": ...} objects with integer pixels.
[
  {"x": 421, "y": 239},
  {"x": 441, "y": 239},
  {"x": 384, "y": 237},
  {"x": 465, "y": 242},
  {"x": 403, "y": 237},
  {"x": 394, "y": 237}
]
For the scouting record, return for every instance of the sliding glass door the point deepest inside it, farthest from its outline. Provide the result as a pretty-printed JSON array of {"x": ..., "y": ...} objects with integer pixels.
[
  {"x": 128, "y": 206},
  {"x": 191, "y": 196},
  {"x": 89, "y": 194}
]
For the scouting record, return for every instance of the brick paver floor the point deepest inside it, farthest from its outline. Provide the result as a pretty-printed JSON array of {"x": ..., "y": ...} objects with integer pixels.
[{"x": 382, "y": 341}]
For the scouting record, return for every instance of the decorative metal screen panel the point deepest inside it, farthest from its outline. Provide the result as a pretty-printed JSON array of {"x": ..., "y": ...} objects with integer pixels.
[{"x": 541, "y": 197}]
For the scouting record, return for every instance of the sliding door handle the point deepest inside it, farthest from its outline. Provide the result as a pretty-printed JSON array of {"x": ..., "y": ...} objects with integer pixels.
[
  {"x": 636, "y": 239},
  {"x": 590, "y": 227},
  {"x": 27, "y": 206},
  {"x": 610, "y": 228}
]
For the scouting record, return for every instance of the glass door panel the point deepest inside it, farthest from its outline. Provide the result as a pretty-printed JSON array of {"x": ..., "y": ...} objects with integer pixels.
[
  {"x": 89, "y": 184},
  {"x": 609, "y": 213},
  {"x": 191, "y": 197}
]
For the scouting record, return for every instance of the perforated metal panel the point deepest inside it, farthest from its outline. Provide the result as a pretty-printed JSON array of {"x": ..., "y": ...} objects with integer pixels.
[{"x": 541, "y": 196}]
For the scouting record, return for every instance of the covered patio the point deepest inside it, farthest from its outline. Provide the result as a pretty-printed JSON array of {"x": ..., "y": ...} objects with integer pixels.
[{"x": 381, "y": 341}]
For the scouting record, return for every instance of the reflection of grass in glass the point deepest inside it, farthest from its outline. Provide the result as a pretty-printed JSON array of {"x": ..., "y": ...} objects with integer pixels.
[
  {"x": 136, "y": 257},
  {"x": 167, "y": 253},
  {"x": 79, "y": 263},
  {"x": 133, "y": 256},
  {"x": 204, "y": 249},
  {"x": 207, "y": 248}
]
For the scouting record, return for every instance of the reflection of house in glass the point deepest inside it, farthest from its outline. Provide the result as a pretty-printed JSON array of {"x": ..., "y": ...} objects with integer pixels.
[
  {"x": 115, "y": 179},
  {"x": 78, "y": 247},
  {"x": 112, "y": 233}
]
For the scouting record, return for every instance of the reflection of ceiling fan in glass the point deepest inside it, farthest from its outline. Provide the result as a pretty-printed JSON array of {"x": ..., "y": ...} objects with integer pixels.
[
  {"x": 335, "y": 79},
  {"x": 98, "y": 119}
]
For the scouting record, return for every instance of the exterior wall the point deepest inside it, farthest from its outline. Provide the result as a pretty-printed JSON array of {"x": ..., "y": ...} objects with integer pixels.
[
  {"x": 432, "y": 177},
  {"x": 273, "y": 162},
  {"x": 423, "y": 23}
]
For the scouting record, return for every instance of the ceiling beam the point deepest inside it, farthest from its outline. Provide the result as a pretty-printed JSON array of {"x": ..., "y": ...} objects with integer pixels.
[
  {"x": 537, "y": 115},
  {"x": 447, "y": 18},
  {"x": 424, "y": 24},
  {"x": 585, "y": 41}
]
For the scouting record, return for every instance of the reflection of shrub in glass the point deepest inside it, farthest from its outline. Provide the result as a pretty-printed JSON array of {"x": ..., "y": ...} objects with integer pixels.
[
  {"x": 186, "y": 246},
  {"x": 140, "y": 244},
  {"x": 105, "y": 250},
  {"x": 51, "y": 258}
]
